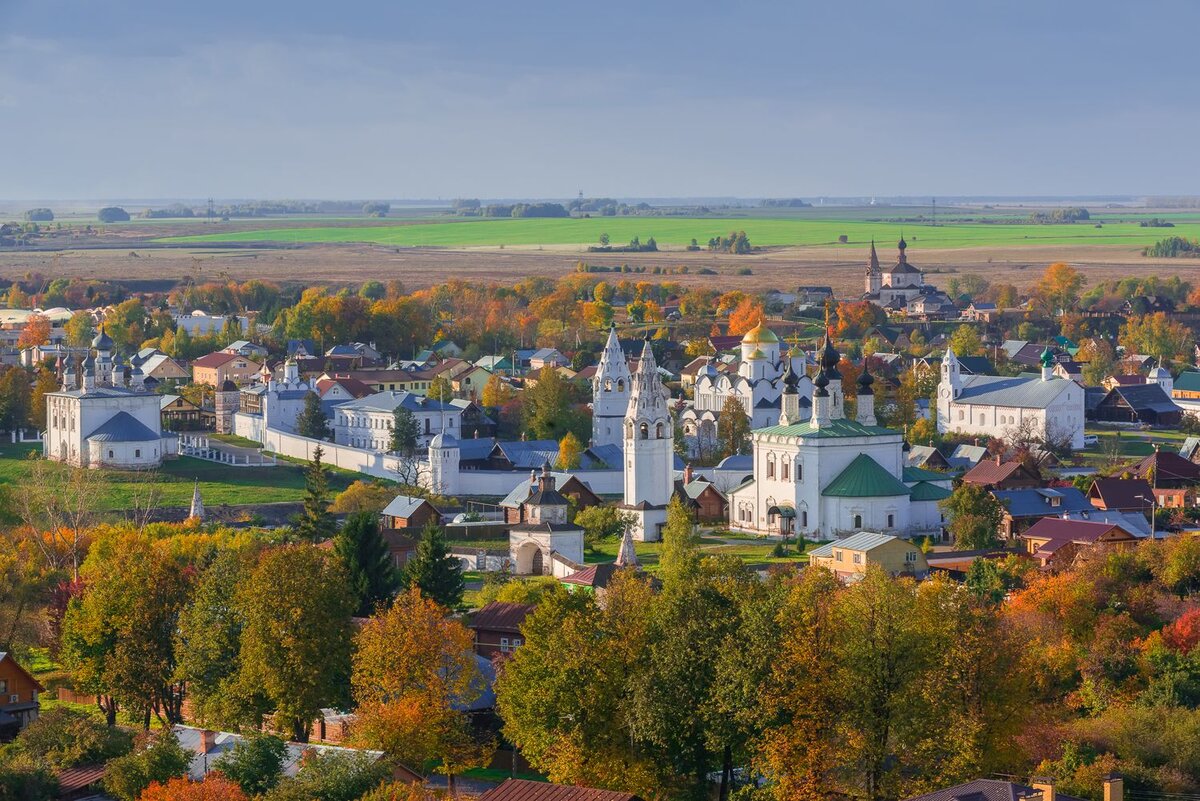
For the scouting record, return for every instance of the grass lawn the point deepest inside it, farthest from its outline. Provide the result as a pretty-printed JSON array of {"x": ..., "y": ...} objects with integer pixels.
[
  {"x": 219, "y": 484},
  {"x": 234, "y": 439},
  {"x": 679, "y": 231}
]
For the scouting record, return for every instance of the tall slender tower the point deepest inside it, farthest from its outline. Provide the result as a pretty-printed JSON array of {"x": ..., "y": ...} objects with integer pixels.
[
  {"x": 874, "y": 274},
  {"x": 610, "y": 393},
  {"x": 649, "y": 450}
]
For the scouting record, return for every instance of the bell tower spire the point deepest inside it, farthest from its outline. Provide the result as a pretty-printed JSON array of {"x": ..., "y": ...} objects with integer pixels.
[{"x": 610, "y": 393}]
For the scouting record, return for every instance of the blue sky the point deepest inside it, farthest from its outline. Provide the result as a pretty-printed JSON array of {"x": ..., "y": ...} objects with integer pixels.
[{"x": 120, "y": 99}]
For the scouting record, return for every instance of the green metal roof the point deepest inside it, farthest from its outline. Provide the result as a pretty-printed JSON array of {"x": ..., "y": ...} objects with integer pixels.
[
  {"x": 912, "y": 474},
  {"x": 865, "y": 478},
  {"x": 1188, "y": 380},
  {"x": 924, "y": 491},
  {"x": 842, "y": 427}
]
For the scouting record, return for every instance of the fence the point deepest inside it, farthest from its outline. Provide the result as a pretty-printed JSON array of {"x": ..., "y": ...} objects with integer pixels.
[{"x": 199, "y": 447}]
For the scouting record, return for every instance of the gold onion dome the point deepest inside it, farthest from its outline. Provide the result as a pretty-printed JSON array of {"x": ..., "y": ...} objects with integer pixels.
[{"x": 758, "y": 335}]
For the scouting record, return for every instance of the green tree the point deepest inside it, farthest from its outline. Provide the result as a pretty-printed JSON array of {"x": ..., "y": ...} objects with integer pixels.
[
  {"x": 680, "y": 554},
  {"x": 316, "y": 523},
  {"x": 255, "y": 763},
  {"x": 405, "y": 431},
  {"x": 433, "y": 571},
  {"x": 975, "y": 517},
  {"x": 733, "y": 428},
  {"x": 548, "y": 408},
  {"x": 331, "y": 776},
  {"x": 118, "y": 636},
  {"x": 44, "y": 383},
  {"x": 63, "y": 738},
  {"x": 161, "y": 760},
  {"x": 965, "y": 341},
  {"x": 295, "y": 643},
  {"x": 440, "y": 389},
  {"x": 600, "y": 522},
  {"x": 312, "y": 422},
  {"x": 80, "y": 329},
  {"x": 368, "y": 562}
]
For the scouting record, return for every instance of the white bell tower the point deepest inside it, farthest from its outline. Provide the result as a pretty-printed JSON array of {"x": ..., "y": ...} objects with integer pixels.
[
  {"x": 610, "y": 393},
  {"x": 649, "y": 450}
]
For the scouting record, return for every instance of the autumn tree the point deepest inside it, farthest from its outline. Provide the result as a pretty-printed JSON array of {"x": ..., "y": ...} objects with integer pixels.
[
  {"x": 570, "y": 452},
  {"x": 414, "y": 675},
  {"x": 36, "y": 331},
  {"x": 80, "y": 329},
  {"x": 733, "y": 428},
  {"x": 312, "y": 421},
  {"x": 214, "y": 787},
  {"x": 965, "y": 341},
  {"x": 1158, "y": 335},
  {"x": 440, "y": 389},
  {"x": 1058, "y": 288},
  {"x": 496, "y": 392},
  {"x": 433, "y": 571},
  {"x": 368, "y": 562},
  {"x": 854, "y": 318},
  {"x": 118, "y": 637},
  {"x": 45, "y": 382},
  {"x": 747, "y": 314},
  {"x": 295, "y": 640},
  {"x": 363, "y": 496}
]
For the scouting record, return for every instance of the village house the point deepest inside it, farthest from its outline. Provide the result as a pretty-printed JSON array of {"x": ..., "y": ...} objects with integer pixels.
[
  {"x": 850, "y": 558},
  {"x": 1165, "y": 469},
  {"x": 406, "y": 511},
  {"x": 368, "y": 422},
  {"x": 1149, "y": 402},
  {"x": 1054, "y": 543},
  {"x": 244, "y": 347},
  {"x": 180, "y": 414},
  {"x": 19, "y": 693},
  {"x": 707, "y": 503},
  {"x": 997, "y": 474},
  {"x": 997, "y": 790},
  {"x": 1121, "y": 495},
  {"x": 217, "y": 368},
  {"x": 1185, "y": 390},
  {"x": 927, "y": 457},
  {"x": 158, "y": 366},
  {"x": 1025, "y": 507},
  {"x": 576, "y": 491},
  {"x": 497, "y": 628},
  {"x": 415, "y": 382},
  {"x": 525, "y": 790}
]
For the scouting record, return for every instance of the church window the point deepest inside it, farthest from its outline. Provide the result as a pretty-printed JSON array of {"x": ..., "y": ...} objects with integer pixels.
[
  {"x": 799, "y": 471},
  {"x": 658, "y": 431},
  {"x": 891, "y": 521},
  {"x": 608, "y": 385},
  {"x": 137, "y": 454},
  {"x": 770, "y": 467},
  {"x": 620, "y": 385},
  {"x": 981, "y": 419},
  {"x": 786, "y": 469},
  {"x": 960, "y": 414},
  {"x": 645, "y": 431},
  {"x": 110, "y": 454},
  {"x": 858, "y": 521},
  {"x": 804, "y": 518}
]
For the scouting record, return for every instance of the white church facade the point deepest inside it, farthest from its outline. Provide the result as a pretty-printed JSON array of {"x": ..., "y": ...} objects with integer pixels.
[
  {"x": 828, "y": 476},
  {"x": 105, "y": 417},
  {"x": 996, "y": 406}
]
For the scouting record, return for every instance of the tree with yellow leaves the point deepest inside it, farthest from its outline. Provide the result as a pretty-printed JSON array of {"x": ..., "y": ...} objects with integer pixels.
[
  {"x": 570, "y": 452},
  {"x": 1058, "y": 288}
]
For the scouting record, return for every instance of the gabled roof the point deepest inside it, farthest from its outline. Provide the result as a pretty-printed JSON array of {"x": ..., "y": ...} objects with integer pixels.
[
  {"x": 911, "y": 473},
  {"x": 976, "y": 365},
  {"x": 524, "y": 790},
  {"x": 987, "y": 790},
  {"x": 1122, "y": 493},
  {"x": 501, "y": 616},
  {"x": 215, "y": 359},
  {"x": 862, "y": 541},
  {"x": 1188, "y": 380},
  {"x": 12, "y": 661},
  {"x": 1145, "y": 398},
  {"x": 1168, "y": 466},
  {"x": 1040, "y": 502},
  {"x": 865, "y": 478},
  {"x": 390, "y": 399},
  {"x": 404, "y": 506},
  {"x": 924, "y": 491},
  {"x": 123, "y": 427},
  {"x": 988, "y": 472},
  {"x": 1064, "y": 531},
  {"x": 355, "y": 388},
  {"x": 1026, "y": 393},
  {"x": 841, "y": 427}
]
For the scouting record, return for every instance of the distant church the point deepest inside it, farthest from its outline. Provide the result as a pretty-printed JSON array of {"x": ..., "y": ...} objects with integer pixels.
[
  {"x": 104, "y": 416},
  {"x": 901, "y": 287}
]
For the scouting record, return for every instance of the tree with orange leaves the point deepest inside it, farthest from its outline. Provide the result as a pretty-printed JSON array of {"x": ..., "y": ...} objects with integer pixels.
[
  {"x": 214, "y": 788},
  {"x": 747, "y": 314},
  {"x": 854, "y": 318},
  {"x": 414, "y": 669},
  {"x": 1058, "y": 288},
  {"x": 36, "y": 331}
]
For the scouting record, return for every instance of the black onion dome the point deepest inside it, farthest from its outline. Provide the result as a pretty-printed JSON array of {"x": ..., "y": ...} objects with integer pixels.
[
  {"x": 790, "y": 379},
  {"x": 829, "y": 355},
  {"x": 820, "y": 383},
  {"x": 865, "y": 381}
]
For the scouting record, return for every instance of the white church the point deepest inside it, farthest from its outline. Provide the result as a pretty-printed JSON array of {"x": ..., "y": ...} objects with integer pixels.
[
  {"x": 828, "y": 476},
  {"x": 995, "y": 406},
  {"x": 649, "y": 450},
  {"x": 104, "y": 416},
  {"x": 757, "y": 384}
]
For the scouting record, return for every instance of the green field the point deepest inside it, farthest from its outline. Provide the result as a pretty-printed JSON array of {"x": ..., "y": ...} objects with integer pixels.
[
  {"x": 219, "y": 484},
  {"x": 679, "y": 231}
]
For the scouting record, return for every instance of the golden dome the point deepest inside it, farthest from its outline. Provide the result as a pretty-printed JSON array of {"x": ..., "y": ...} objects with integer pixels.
[{"x": 758, "y": 335}]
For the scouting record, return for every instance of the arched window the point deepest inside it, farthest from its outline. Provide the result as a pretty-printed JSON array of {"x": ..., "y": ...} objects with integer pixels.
[
  {"x": 658, "y": 431},
  {"x": 608, "y": 385},
  {"x": 981, "y": 419},
  {"x": 645, "y": 431},
  {"x": 799, "y": 471},
  {"x": 771, "y": 466},
  {"x": 620, "y": 385},
  {"x": 858, "y": 521}
]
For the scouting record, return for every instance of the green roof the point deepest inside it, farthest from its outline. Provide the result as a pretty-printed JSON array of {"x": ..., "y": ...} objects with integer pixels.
[
  {"x": 924, "y": 491},
  {"x": 841, "y": 427},
  {"x": 1188, "y": 380},
  {"x": 912, "y": 474},
  {"x": 865, "y": 478}
]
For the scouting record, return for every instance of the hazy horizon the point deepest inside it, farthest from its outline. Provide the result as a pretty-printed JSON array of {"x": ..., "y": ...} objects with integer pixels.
[{"x": 668, "y": 100}]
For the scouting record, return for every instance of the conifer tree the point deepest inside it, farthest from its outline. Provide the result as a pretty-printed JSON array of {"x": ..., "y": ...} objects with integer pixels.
[
  {"x": 405, "y": 430},
  {"x": 316, "y": 524},
  {"x": 312, "y": 422},
  {"x": 433, "y": 571},
  {"x": 361, "y": 548}
]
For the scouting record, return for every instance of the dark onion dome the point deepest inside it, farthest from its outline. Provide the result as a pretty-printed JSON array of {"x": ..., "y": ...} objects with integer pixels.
[
  {"x": 902, "y": 244},
  {"x": 228, "y": 386},
  {"x": 790, "y": 379},
  {"x": 820, "y": 383},
  {"x": 829, "y": 355},
  {"x": 865, "y": 381},
  {"x": 102, "y": 341}
]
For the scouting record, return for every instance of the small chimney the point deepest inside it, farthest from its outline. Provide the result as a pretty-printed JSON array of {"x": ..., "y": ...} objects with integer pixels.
[
  {"x": 977, "y": 442},
  {"x": 1044, "y": 785},
  {"x": 997, "y": 460},
  {"x": 687, "y": 474},
  {"x": 1114, "y": 788},
  {"x": 208, "y": 740}
]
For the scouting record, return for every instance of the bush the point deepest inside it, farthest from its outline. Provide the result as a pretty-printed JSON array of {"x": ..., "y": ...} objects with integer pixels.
[
  {"x": 111, "y": 214},
  {"x": 39, "y": 215},
  {"x": 63, "y": 738},
  {"x": 255, "y": 763},
  {"x": 744, "y": 271},
  {"x": 163, "y": 760}
]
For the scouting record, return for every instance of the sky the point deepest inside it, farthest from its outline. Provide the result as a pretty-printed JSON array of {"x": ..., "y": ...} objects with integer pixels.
[{"x": 456, "y": 98}]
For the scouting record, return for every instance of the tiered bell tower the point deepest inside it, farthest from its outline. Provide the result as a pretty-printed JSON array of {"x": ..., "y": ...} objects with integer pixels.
[
  {"x": 610, "y": 393},
  {"x": 649, "y": 450}
]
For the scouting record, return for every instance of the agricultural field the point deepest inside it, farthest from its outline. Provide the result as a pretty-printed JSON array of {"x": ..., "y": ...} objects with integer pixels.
[{"x": 677, "y": 233}]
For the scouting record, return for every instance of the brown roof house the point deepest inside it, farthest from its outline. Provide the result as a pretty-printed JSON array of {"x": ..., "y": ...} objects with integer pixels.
[
  {"x": 1166, "y": 469},
  {"x": 1121, "y": 494},
  {"x": 579, "y": 494},
  {"x": 700, "y": 495},
  {"x": 997, "y": 790},
  {"x": 525, "y": 790},
  {"x": 1054, "y": 543},
  {"x": 217, "y": 368},
  {"x": 19, "y": 692},
  {"x": 998, "y": 474},
  {"x": 497, "y": 628}
]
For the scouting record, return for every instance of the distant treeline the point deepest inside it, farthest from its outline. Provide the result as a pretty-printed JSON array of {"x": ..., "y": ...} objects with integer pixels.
[
  {"x": 175, "y": 210},
  {"x": 785, "y": 203},
  {"x": 736, "y": 242},
  {"x": 1066, "y": 215},
  {"x": 1172, "y": 247},
  {"x": 39, "y": 215},
  {"x": 635, "y": 246},
  {"x": 1174, "y": 202},
  {"x": 1155, "y": 222},
  {"x": 472, "y": 208}
]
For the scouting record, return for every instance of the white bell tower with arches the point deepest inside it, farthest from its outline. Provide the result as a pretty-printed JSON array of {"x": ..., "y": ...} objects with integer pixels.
[
  {"x": 610, "y": 394},
  {"x": 649, "y": 450}
]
